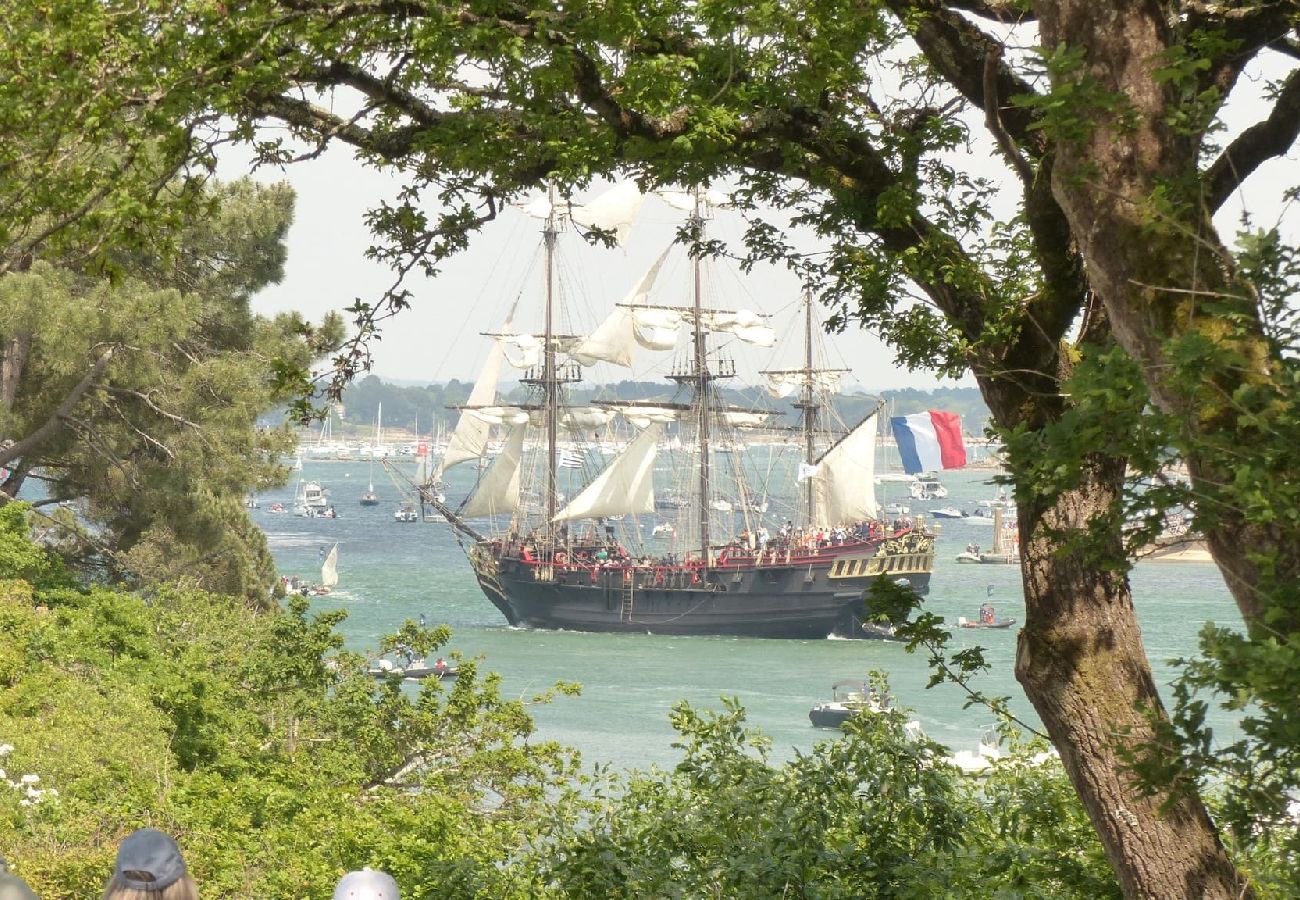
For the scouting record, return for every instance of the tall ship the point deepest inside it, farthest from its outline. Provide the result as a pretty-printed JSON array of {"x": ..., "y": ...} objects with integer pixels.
[{"x": 681, "y": 530}]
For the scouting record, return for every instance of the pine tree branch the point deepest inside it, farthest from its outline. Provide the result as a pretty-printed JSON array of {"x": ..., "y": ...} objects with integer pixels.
[{"x": 50, "y": 427}]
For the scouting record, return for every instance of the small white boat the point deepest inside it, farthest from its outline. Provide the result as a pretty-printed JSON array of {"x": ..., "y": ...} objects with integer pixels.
[
  {"x": 849, "y": 698},
  {"x": 947, "y": 512}
]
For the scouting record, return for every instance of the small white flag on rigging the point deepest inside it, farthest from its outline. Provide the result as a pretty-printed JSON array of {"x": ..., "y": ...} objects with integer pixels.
[
  {"x": 807, "y": 471},
  {"x": 572, "y": 459}
]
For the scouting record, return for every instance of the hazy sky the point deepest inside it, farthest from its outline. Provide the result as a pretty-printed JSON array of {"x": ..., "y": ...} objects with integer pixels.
[{"x": 438, "y": 338}]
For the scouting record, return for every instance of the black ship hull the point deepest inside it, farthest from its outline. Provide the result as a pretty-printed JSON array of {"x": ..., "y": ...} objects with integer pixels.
[{"x": 790, "y": 600}]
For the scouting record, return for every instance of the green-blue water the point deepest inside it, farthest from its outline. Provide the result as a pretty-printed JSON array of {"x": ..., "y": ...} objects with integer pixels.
[{"x": 391, "y": 571}]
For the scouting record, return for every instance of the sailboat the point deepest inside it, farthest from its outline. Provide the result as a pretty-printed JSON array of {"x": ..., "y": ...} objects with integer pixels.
[
  {"x": 370, "y": 498},
  {"x": 585, "y": 565},
  {"x": 329, "y": 570}
]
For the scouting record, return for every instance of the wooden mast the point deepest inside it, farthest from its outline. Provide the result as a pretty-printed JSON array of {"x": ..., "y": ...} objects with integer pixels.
[
  {"x": 549, "y": 379},
  {"x": 701, "y": 385}
]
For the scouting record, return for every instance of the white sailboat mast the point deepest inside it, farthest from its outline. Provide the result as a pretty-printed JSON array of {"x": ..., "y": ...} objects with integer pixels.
[
  {"x": 549, "y": 379},
  {"x": 701, "y": 385}
]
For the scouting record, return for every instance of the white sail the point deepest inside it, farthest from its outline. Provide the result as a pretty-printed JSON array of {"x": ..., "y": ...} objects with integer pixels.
[
  {"x": 625, "y": 486},
  {"x": 615, "y": 339},
  {"x": 738, "y": 419},
  {"x": 685, "y": 200},
  {"x": 745, "y": 324},
  {"x": 329, "y": 570},
  {"x": 498, "y": 491},
  {"x": 783, "y": 384},
  {"x": 656, "y": 329},
  {"x": 615, "y": 210},
  {"x": 469, "y": 440},
  {"x": 844, "y": 486},
  {"x": 586, "y": 416},
  {"x": 499, "y": 415},
  {"x": 644, "y": 416},
  {"x": 527, "y": 349}
]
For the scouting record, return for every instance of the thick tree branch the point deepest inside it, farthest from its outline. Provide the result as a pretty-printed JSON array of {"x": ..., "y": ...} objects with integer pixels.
[
  {"x": 993, "y": 119},
  {"x": 51, "y": 426},
  {"x": 958, "y": 50},
  {"x": 1256, "y": 145},
  {"x": 1005, "y": 12}
]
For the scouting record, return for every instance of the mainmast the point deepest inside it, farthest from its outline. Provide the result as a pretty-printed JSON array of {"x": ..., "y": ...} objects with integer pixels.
[
  {"x": 701, "y": 386},
  {"x": 549, "y": 380}
]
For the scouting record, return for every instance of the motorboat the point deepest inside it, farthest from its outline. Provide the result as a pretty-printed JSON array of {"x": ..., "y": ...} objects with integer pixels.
[
  {"x": 927, "y": 487},
  {"x": 947, "y": 512},
  {"x": 406, "y": 513},
  {"x": 849, "y": 698},
  {"x": 1005, "y": 549},
  {"x": 385, "y": 668},
  {"x": 979, "y": 761},
  {"x": 987, "y": 619}
]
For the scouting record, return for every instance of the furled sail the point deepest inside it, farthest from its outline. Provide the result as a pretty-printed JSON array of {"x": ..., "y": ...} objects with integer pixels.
[
  {"x": 746, "y": 419},
  {"x": 644, "y": 416},
  {"x": 329, "y": 570},
  {"x": 469, "y": 440},
  {"x": 499, "y": 415},
  {"x": 844, "y": 486},
  {"x": 498, "y": 490},
  {"x": 625, "y": 486},
  {"x": 586, "y": 416},
  {"x": 783, "y": 384},
  {"x": 614, "y": 340}
]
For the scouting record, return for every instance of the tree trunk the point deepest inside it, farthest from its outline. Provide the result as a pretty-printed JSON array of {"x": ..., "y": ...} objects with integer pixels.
[
  {"x": 12, "y": 361},
  {"x": 1164, "y": 275},
  {"x": 1081, "y": 662}
]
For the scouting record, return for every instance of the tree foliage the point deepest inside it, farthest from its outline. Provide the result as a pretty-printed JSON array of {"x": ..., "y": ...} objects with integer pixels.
[
  {"x": 139, "y": 397},
  {"x": 854, "y": 119},
  {"x": 268, "y": 750}
]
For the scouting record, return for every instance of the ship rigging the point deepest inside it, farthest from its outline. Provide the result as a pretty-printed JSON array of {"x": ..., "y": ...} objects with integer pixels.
[{"x": 588, "y": 563}]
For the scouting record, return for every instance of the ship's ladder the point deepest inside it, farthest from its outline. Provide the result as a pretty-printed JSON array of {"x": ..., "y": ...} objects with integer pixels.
[{"x": 629, "y": 594}]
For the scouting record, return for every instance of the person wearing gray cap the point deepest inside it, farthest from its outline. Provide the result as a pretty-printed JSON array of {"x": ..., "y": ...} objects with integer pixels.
[
  {"x": 150, "y": 867},
  {"x": 366, "y": 884},
  {"x": 11, "y": 886}
]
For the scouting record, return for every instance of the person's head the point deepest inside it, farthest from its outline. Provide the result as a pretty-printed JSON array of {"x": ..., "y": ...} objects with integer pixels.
[
  {"x": 366, "y": 884},
  {"x": 150, "y": 867},
  {"x": 11, "y": 886}
]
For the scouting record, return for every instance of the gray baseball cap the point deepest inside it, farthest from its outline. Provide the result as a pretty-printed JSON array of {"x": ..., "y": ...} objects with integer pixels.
[
  {"x": 366, "y": 884},
  {"x": 149, "y": 860}
]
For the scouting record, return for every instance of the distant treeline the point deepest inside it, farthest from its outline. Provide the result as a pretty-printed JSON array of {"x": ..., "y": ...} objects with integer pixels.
[{"x": 422, "y": 407}]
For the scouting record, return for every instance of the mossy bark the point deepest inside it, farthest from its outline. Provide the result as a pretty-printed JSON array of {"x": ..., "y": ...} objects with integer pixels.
[{"x": 1082, "y": 664}]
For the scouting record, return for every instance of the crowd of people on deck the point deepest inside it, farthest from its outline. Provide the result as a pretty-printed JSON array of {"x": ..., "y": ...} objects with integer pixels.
[
  {"x": 812, "y": 538},
  {"x": 598, "y": 551},
  {"x": 150, "y": 866}
]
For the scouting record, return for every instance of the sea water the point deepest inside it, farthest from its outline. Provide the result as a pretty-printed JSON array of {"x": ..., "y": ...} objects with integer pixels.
[{"x": 391, "y": 571}]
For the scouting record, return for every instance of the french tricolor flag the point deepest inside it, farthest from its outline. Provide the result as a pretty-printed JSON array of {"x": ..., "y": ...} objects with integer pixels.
[{"x": 929, "y": 441}]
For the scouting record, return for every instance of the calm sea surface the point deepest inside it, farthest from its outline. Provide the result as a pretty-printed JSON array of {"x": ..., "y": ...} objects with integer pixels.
[{"x": 391, "y": 571}]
